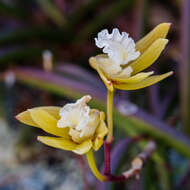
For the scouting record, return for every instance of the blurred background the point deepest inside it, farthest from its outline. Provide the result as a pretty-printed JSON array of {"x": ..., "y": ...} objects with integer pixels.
[{"x": 44, "y": 51}]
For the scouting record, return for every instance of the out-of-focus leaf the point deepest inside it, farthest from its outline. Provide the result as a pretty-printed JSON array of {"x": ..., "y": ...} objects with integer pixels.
[
  {"x": 64, "y": 34},
  {"x": 83, "y": 11},
  {"x": 138, "y": 122},
  {"x": 185, "y": 65},
  {"x": 52, "y": 11},
  {"x": 78, "y": 72},
  {"x": 20, "y": 54},
  {"x": 115, "y": 9},
  {"x": 162, "y": 171},
  {"x": 44, "y": 32},
  {"x": 59, "y": 84},
  {"x": 12, "y": 11},
  {"x": 35, "y": 33},
  {"x": 149, "y": 124}
]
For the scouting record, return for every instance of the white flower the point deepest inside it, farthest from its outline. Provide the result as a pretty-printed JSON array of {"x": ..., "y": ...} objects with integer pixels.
[
  {"x": 120, "y": 48},
  {"x": 81, "y": 120}
]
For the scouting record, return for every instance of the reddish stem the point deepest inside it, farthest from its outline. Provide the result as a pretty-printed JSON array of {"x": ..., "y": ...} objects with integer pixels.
[
  {"x": 107, "y": 149},
  {"x": 116, "y": 178},
  {"x": 107, "y": 156}
]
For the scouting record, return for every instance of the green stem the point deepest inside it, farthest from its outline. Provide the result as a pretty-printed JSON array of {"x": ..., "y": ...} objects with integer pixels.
[
  {"x": 110, "y": 116},
  {"x": 92, "y": 165}
]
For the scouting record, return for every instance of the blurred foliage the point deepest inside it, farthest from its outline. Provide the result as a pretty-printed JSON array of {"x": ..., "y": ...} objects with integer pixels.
[{"x": 67, "y": 29}]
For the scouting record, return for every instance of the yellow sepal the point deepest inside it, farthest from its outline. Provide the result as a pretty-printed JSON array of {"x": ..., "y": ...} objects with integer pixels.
[
  {"x": 58, "y": 142},
  {"x": 94, "y": 65},
  {"x": 160, "y": 31},
  {"x": 26, "y": 118},
  {"x": 52, "y": 110},
  {"x": 101, "y": 131},
  {"x": 48, "y": 122},
  {"x": 146, "y": 82},
  {"x": 149, "y": 56},
  {"x": 134, "y": 79},
  {"x": 83, "y": 148}
]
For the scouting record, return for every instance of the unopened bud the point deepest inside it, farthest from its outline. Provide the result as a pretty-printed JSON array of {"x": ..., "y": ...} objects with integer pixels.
[
  {"x": 47, "y": 60},
  {"x": 9, "y": 79}
]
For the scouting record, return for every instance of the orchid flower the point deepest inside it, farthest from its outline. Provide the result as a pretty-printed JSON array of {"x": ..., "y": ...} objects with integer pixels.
[
  {"x": 122, "y": 62},
  {"x": 75, "y": 126}
]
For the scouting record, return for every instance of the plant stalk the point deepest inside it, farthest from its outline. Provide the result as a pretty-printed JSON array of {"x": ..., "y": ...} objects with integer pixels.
[
  {"x": 94, "y": 169},
  {"x": 107, "y": 158},
  {"x": 110, "y": 94}
]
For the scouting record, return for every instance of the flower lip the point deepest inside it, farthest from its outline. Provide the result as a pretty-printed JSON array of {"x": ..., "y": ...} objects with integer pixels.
[
  {"x": 81, "y": 120},
  {"x": 119, "y": 47}
]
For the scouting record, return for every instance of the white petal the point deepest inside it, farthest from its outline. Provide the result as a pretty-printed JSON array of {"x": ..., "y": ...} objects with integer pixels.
[
  {"x": 77, "y": 116},
  {"x": 119, "y": 47},
  {"x": 108, "y": 66},
  {"x": 125, "y": 73}
]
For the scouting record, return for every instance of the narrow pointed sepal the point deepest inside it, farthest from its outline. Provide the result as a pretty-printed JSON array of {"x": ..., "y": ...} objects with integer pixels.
[
  {"x": 134, "y": 79},
  {"x": 65, "y": 144},
  {"x": 94, "y": 65},
  {"x": 99, "y": 136},
  {"x": 83, "y": 148},
  {"x": 47, "y": 122},
  {"x": 149, "y": 56},
  {"x": 142, "y": 84},
  {"x": 57, "y": 142},
  {"x": 25, "y": 117},
  {"x": 160, "y": 31}
]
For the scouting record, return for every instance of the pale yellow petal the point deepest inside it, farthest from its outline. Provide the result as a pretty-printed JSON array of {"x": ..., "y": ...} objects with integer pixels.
[
  {"x": 48, "y": 122},
  {"x": 26, "y": 118},
  {"x": 108, "y": 83},
  {"x": 89, "y": 130},
  {"x": 149, "y": 56},
  {"x": 108, "y": 66},
  {"x": 160, "y": 31},
  {"x": 146, "y": 82},
  {"x": 92, "y": 123},
  {"x": 58, "y": 142},
  {"x": 136, "y": 78},
  {"x": 84, "y": 147},
  {"x": 52, "y": 110},
  {"x": 75, "y": 135},
  {"x": 102, "y": 116},
  {"x": 125, "y": 73},
  {"x": 101, "y": 131},
  {"x": 94, "y": 64}
]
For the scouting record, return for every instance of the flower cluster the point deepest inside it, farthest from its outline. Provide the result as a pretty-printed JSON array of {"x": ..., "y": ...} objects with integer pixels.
[{"x": 78, "y": 128}]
